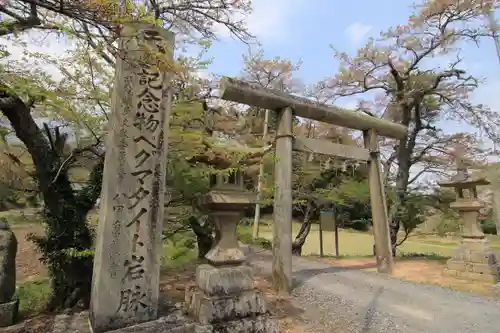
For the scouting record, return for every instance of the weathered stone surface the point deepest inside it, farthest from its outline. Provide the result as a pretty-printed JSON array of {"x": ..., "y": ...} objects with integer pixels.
[
  {"x": 8, "y": 313},
  {"x": 475, "y": 261},
  {"x": 488, "y": 278},
  {"x": 226, "y": 250},
  {"x": 261, "y": 324},
  {"x": 174, "y": 323},
  {"x": 224, "y": 280},
  {"x": 79, "y": 323},
  {"x": 224, "y": 298},
  {"x": 473, "y": 267},
  {"x": 482, "y": 257},
  {"x": 207, "y": 309},
  {"x": 245, "y": 248},
  {"x": 125, "y": 286},
  {"x": 456, "y": 265},
  {"x": 72, "y": 323},
  {"x": 475, "y": 244},
  {"x": 8, "y": 250},
  {"x": 493, "y": 269},
  {"x": 495, "y": 289},
  {"x": 461, "y": 254}
]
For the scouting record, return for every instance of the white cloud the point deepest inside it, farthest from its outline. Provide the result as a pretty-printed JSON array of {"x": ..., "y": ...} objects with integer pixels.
[
  {"x": 270, "y": 20},
  {"x": 357, "y": 32},
  {"x": 488, "y": 94},
  {"x": 37, "y": 42}
]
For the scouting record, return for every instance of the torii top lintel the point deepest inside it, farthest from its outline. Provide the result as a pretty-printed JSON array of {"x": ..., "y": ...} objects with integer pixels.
[{"x": 243, "y": 92}]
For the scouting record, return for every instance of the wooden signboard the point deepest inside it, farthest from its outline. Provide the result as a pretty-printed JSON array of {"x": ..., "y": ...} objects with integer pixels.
[{"x": 327, "y": 220}]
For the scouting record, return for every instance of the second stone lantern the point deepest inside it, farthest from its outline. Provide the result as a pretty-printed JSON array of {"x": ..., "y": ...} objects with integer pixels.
[
  {"x": 473, "y": 259},
  {"x": 225, "y": 298}
]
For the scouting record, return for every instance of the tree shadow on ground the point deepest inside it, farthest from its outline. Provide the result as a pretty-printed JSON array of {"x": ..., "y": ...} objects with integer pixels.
[{"x": 371, "y": 310}]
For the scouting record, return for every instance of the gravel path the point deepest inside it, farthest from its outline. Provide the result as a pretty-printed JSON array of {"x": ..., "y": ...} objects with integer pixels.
[{"x": 348, "y": 300}]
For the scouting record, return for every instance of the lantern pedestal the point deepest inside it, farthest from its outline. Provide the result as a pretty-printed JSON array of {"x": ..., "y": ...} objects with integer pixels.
[
  {"x": 473, "y": 259},
  {"x": 225, "y": 298}
]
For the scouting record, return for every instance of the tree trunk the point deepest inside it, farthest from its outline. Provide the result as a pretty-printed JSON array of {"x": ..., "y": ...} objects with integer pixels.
[
  {"x": 402, "y": 178},
  {"x": 67, "y": 243},
  {"x": 71, "y": 274},
  {"x": 256, "y": 220},
  {"x": 66, "y": 246},
  {"x": 204, "y": 237},
  {"x": 305, "y": 228}
]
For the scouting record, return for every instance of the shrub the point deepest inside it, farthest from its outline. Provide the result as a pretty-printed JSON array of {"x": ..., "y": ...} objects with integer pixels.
[
  {"x": 33, "y": 296},
  {"x": 489, "y": 226},
  {"x": 359, "y": 225},
  {"x": 245, "y": 236}
]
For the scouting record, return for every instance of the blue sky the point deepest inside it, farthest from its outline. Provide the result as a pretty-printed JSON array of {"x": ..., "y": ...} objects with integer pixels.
[
  {"x": 300, "y": 29},
  {"x": 304, "y": 30}
]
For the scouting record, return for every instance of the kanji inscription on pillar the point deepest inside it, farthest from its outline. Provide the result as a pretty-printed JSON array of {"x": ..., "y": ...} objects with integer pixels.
[{"x": 125, "y": 284}]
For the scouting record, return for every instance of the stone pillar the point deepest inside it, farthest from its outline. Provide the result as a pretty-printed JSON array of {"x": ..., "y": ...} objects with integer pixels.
[
  {"x": 225, "y": 298},
  {"x": 9, "y": 305},
  {"x": 283, "y": 204},
  {"x": 495, "y": 203},
  {"x": 494, "y": 178},
  {"x": 380, "y": 220},
  {"x": 125, "y": 283},
  {"x": 473, "y": 259}
]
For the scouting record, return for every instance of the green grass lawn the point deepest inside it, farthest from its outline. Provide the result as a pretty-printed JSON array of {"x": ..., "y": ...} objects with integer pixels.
[
  {"x": 181, "y": 249},
  {"x": 17, "y": 217},
  {"x": 358, "y": 244},
  {"x": 33, "y": 296}
]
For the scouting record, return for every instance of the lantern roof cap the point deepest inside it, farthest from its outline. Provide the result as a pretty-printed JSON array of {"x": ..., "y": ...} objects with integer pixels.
[
  {"x": 464, "y": 182},
  {"x": 228, "y": 200}
]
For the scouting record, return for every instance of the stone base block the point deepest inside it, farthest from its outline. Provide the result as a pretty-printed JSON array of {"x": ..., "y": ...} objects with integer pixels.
[
  {"x": 473, "y": 260},
  {"x": 209, "y": 309},
  {"x": 225, "y": 300},
  {"x": 464, "y": 266},
  {"x": 475, "y": 244},
  {"x": 224, "y": 280},
  {"x": 480, "y": 271},
  {"x": 259, "y": 324},
  {"x": 245, "y": 248},
  {"x": 488, "y": 278},
  {"x": 484, "y": 256},
  {"x": 79, "y": 323},
  {"x": 8, "y": 313},
  {"x": 495, "y": 290},
  {"x": 174, "y": 323}
]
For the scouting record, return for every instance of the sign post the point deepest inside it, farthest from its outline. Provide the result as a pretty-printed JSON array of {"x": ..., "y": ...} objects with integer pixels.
[
  {"x": 336, "y": 226},
  {"x": 327, "y": 223}
]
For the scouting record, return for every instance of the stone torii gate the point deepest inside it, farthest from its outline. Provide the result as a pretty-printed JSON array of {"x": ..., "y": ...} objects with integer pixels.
[{"x": 288, "y": 105}]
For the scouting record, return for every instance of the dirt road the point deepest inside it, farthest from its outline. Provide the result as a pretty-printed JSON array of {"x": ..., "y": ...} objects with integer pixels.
[{"x": 339, "y": 299}]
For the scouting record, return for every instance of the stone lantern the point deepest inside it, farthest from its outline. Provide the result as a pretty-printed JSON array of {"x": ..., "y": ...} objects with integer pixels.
[
  {"x": 225, "y": 298},
  {"x": 226, "y": 202},
  {"x": 473, "y": 259}
]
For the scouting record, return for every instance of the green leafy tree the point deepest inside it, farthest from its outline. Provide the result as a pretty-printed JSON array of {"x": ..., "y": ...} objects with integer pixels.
[
  {"x": 318, "y": 178},
  {"x": 79, "y": 103},
  {"x": 396, "y": 80},
  {"x": 276, "y": 73}
]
